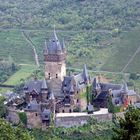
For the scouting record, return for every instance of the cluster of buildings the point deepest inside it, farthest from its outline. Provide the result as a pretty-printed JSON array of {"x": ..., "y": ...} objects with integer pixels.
[{"x": 61, "y": 93}]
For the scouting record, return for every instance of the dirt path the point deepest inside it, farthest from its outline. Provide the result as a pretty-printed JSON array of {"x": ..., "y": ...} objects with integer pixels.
[
  {"x": 131, "y": 59},
  {"x": 33, "y": 47}
]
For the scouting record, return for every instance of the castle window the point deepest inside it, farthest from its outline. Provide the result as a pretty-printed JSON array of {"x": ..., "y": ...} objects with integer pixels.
[
  {"x": 77, "y": 92},
  {"x": 70, "y": 111},
  {"x": 77, "y": 100},
  {"x": 36, "y": 114},
  {"x": 63, "y": 111},
  {"x": 49, "y": 75},
  {"x": 56, "y": 75}
]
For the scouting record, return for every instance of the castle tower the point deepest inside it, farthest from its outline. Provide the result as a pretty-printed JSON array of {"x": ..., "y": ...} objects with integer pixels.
[{"x": 55, "y": 65}]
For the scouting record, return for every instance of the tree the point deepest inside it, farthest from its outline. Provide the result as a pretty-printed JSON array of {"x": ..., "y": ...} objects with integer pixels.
[
  {"x": 7, "y": 132},
  {"x": 23, "y": 117},
  {"x": 2, "y": 108},
  {"x": 133, "y": 76},
  {"x": 129, "y": 126},
  {"x": 111, "y": 108}
]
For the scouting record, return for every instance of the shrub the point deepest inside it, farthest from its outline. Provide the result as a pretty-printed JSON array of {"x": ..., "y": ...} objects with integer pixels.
[{"x": 23, "y": 117}]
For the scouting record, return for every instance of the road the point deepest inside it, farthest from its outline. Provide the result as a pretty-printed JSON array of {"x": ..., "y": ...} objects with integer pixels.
[{"x": 33, "y": 47}]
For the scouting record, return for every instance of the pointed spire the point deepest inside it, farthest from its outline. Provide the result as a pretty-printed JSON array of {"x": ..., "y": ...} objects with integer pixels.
[
  {"x": 52, "y": 96},
  {"x": 45, "y": 43},
  {"x": 63, "y": 46},
  {"x": 45, "y": 47},
  {"x": 95, "y": 84},
  {"x": 54, "y": 45},
  {"x": 44, "y": 85},
  {"x": 54, "y": 34},
  {"x": 125, "y": 87},
  {"x": 71, "y": 89},
  {"x": 85, "y": 73}
]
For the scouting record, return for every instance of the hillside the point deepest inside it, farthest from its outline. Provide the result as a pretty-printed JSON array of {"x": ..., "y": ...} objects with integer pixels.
[{"x": 93, "y": 30}]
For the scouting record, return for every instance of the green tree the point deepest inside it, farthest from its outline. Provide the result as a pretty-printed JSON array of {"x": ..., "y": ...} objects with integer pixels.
[
  {"x": 2, "y": 108},
  {"x": 129, "y": 126},
  {"x": 23, "y": 117},
  {"x": 111, "y": 108},
  {"x": 133, "y": 76},
  {"x": 7, "y": 132}
]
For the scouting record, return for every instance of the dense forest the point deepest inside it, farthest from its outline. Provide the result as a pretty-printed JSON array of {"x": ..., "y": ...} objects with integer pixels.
[
  {"x": 70, "y": 15},
  {"x": 92, "y": 29}
]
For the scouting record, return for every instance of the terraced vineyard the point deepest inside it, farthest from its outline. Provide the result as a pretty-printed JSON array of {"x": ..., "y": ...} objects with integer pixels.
[{"x": 123, "y": 50}]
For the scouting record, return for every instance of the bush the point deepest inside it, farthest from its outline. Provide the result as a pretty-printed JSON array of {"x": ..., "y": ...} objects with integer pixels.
[
  {"x": 133, "y": 76},
  {"x": 23, "y": 117}
]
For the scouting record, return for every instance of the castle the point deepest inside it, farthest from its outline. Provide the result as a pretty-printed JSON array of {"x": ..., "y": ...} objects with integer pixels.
[
  {"x": 57, "y": 92},
  {"x": 61, "y": 93}
]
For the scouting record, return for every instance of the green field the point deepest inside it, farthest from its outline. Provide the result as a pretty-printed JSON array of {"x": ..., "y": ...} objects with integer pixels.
[{"x": 23, "y": 73}]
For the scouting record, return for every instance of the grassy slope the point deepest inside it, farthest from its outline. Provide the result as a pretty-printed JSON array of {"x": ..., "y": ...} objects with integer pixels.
[
  {"x": 23, "y": 73},
  {"x": 13, "y": 44},
  {"x": 122, "y": 50}
]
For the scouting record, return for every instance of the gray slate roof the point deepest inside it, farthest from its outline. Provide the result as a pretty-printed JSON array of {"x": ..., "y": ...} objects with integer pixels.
[
  {"x": 85, "y": 74},
  {"x": 107, "y": 86},
  {"x": 54, "y": 45},
  {"x": 35, "y": 85},
  {"x": 46, "y": 114},
  {"x": 33, "y": 106},
  {"x": 95, "y": 84},
  {"x": 67, "y": 84}
]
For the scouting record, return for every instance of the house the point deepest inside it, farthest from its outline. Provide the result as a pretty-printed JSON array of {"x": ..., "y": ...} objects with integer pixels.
[{"x": 119, "y": 92}]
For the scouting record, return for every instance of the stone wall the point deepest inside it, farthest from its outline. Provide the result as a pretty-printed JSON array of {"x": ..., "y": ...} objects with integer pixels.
[
  {"x": 81, "y": 120},
  {"x": 13, "y": 116},
  {"x": 33, "y": 120}
]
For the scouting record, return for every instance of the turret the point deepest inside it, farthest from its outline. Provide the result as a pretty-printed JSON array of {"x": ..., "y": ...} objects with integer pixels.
[
  {"x": 44, "y": 90},
  {"x": 85, "y": 74}
]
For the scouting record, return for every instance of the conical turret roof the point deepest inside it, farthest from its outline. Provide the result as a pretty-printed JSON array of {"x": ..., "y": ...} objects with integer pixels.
[
  {"x": 85, "y": 73},
  {"x": 44, "y": 85},
  {"x": 54, "y": 45}
]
